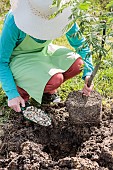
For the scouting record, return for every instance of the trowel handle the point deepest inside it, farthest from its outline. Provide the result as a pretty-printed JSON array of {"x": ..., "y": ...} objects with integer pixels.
[{"x": 23, "y": 108}]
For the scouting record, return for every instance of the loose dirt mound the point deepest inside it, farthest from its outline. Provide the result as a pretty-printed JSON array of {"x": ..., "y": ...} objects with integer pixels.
[{"x": 62, "y": 146}]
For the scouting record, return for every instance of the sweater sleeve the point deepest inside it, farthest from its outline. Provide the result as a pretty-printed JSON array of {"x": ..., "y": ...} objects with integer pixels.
[
  {"x": 76, "y": 43},
  {"x": 8, "y": 41}
]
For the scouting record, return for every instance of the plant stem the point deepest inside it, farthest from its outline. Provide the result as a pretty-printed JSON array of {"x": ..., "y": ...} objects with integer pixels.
[{"x": 100, "y": 56}]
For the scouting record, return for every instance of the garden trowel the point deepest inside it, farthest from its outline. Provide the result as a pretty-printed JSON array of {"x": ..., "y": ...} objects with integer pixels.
[{"x": 36, "y": 115}]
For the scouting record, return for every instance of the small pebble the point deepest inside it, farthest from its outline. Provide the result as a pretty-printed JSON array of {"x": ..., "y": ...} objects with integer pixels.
[
  {"x": 1, "y": 133},
  {"x": 0, "y": 143},
  {"x": 1, "y": 113}
]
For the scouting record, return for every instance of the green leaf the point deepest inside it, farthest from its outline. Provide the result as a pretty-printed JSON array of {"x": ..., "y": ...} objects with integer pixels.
[
  {"x": 110, "y": 4},
  {"x": 85, "y": 6}
]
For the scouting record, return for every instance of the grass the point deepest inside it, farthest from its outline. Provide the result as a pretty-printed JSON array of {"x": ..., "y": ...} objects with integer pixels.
[
  {"x": 1, "y": 23},
  {"x": 103, "y": 80}
]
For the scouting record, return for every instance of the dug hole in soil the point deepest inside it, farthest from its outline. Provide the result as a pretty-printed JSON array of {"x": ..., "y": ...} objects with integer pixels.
[{"x": 62, "y": 146}]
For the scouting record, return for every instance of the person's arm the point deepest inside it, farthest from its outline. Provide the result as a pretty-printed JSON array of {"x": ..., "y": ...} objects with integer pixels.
[
  {"x": 8, "y": 42},
  {"x": 76, "y": 43}
]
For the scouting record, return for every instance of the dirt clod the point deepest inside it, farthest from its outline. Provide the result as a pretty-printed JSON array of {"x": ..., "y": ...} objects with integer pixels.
[{"x": 84, "y": 109}]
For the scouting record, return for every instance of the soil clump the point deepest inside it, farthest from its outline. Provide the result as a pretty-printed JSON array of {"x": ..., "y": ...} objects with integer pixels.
[{"x": 84, "y": 109}]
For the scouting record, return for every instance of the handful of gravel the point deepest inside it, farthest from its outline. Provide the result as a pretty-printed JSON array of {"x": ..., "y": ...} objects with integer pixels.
[{"x": 37, "y": 115}]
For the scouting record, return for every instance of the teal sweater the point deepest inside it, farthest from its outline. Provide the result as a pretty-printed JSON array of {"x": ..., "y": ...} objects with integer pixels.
[{"x": 12, "y": 36}]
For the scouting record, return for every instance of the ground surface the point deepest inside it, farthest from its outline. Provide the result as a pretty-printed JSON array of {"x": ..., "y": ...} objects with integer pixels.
[{"x": 62, "y": 146}]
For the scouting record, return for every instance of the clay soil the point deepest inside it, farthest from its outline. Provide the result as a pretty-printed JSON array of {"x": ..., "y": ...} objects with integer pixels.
[{"x": 62, "y": 146}]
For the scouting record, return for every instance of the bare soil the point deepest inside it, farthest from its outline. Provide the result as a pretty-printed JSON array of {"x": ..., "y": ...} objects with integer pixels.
[{"x": 62, "y": 146}]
